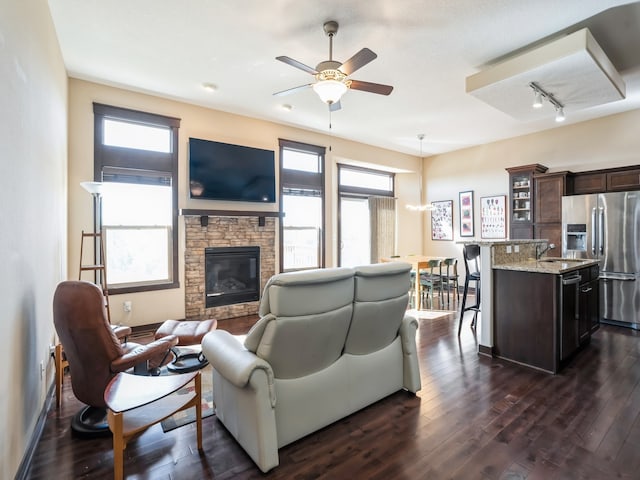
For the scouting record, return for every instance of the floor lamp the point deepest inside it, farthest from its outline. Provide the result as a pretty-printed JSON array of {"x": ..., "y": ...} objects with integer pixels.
[{"x": 95, "y": 189}]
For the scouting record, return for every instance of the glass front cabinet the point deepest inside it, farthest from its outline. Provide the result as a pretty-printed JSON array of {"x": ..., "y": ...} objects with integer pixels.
[{"x": 522, "y": 200}]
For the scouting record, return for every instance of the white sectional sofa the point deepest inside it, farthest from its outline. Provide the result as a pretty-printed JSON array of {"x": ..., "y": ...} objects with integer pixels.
[{"x": 328, "y": 343}]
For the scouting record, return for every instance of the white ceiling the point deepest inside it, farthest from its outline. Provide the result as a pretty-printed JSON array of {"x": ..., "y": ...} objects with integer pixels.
[{"x": 426, "y": 49}]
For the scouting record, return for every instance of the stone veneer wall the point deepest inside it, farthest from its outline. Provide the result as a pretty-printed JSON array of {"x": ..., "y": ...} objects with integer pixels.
[{"x": 224, "y": 232}]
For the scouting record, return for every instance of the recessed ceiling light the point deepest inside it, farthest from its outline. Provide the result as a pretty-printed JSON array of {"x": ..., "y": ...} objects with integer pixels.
[{"x": 210, "y": 87}]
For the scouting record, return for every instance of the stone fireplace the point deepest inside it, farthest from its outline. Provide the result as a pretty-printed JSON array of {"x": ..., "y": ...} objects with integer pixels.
[
  {"x": 232, "y": 275},
  {"x": 227, "y": 234}
]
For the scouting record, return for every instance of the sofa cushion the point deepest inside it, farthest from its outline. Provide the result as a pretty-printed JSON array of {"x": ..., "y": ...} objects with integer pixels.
[
  {"x": 380, "y": 301},
  {"x": 305, "y": 319}
]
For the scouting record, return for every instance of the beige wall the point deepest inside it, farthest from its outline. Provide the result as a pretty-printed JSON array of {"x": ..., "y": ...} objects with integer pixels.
[
  {"x": 154, "y": 307},
  {"x": 33, "y": 172},
  {"x": 603, "y": 143}
]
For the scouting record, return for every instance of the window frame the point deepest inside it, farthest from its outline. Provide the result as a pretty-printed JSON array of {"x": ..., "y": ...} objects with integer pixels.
[
  {"x": 359, "y": 192},
  {"x": 114, "y": 157},
  {"x": 298, "y": 179}
]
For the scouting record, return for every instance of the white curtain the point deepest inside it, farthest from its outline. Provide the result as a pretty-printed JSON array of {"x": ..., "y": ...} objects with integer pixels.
[{"x": 382, "y": 213}]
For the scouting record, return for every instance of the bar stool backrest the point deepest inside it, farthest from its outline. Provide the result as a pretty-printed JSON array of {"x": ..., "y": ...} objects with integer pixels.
[{"x": 471, "y": 254}]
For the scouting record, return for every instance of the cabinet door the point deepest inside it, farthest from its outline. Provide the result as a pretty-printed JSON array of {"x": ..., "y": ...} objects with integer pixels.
[
  {"x": 623, "y": 180},
  {"x": 521, "y": 231},
  {"x": 551, "y": 232},
  {"x": 589, "y": 183},
  {"x": 549, "y": 190}
]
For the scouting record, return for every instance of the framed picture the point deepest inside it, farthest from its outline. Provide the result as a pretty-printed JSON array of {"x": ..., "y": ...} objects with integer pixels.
[
  {"x": 442, "y": 220},
  {"x": 493, "y": 217},
  {"x": 466, "y": 214}
]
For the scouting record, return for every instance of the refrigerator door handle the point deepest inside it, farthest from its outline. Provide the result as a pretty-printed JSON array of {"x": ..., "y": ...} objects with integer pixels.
[
  {"x": 623, "y": 277},
  {"x": 601, "y": 230},
  {"x": 593, "y": 231}
]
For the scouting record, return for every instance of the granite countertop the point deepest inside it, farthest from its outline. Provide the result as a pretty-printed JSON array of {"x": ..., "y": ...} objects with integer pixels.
[
  {"x": 489, "y": 243},
  {"x": 550, "y": 265}
]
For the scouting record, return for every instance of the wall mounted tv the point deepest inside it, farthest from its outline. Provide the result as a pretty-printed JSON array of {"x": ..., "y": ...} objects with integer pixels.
[{"x": 221, "y": 171}]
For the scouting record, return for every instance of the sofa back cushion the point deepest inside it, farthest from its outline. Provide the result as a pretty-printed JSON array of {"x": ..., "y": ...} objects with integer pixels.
[
  {"x": 380, "y": 302},
  {"x": 304, "y": 321}
]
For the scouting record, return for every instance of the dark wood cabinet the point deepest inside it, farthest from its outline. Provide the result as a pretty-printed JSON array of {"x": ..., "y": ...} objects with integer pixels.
[
  {"x": 522, "y": 199},
  {"x": 550, "y": 188},
  {"x": 609, "y": 180},
  {"x": 623, "y": 180},
  {"x": 525, "y": 318},
  {"x": 586, "y": 182},
  {"x": 551, "y": 232},
  {"x": 543, "y": 319}
]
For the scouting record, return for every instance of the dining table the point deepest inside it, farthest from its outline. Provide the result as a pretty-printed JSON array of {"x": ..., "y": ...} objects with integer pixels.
[{"x": 418, "y": 263}]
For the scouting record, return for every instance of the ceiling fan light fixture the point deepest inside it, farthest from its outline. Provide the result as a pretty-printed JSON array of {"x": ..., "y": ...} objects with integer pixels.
[{"x": 330, "y": 91}]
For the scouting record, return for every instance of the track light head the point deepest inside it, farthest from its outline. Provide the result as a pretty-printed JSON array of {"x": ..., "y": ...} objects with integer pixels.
[
  {"x": 537, "y": 100},
  {"x": 560, "y": 115}
]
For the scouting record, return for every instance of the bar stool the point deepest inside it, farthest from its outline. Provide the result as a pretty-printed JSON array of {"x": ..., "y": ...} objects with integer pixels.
[{"x": 471, "y": 254}]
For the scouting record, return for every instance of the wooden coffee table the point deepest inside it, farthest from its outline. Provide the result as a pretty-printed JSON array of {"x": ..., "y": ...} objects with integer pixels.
[{"x": 135, "y": 403}]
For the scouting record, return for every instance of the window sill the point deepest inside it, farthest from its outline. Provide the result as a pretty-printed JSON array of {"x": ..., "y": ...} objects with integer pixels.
[{"x": 143, "y": 288}]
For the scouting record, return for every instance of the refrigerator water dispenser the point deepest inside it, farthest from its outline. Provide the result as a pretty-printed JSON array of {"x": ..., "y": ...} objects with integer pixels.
[{"x": 576, "y": 237}]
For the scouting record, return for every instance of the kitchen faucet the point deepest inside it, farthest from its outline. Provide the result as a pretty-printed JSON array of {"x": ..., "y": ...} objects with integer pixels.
[{"x": 539, "y": 254}]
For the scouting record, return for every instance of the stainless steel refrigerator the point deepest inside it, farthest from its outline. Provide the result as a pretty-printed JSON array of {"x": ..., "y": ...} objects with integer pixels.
[{"x": 606, "y": 227}]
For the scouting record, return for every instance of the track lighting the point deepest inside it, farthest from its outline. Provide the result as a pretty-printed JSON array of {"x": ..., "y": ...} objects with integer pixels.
[
  {"x": 537, "y": 101},
  {"x": 542, "y": 94}
]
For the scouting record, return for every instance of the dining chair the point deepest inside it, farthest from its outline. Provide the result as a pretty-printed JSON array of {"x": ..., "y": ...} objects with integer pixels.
[
  {"x": 430, "y": 280},
  {"x": 450, "y": 277}
]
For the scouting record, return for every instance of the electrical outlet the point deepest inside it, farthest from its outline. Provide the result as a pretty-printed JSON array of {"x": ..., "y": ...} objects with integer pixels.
[
  {"x": 508, "y": 248},
  {"x": 516, "y": 248},
  {"x": 127, "y": 306}
]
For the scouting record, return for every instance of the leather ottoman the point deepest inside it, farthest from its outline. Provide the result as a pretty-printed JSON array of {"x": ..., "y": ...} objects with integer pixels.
[{"x": 189, "y": 332}]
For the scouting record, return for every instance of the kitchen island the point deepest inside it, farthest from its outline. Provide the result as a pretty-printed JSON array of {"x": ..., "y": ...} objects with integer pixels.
[{"x": 544, "y": 311}]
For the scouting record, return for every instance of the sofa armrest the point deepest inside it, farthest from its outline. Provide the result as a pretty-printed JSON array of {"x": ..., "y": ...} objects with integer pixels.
[
  {"x": 408, "y": 330},
  {"x": 143, "y": 353},
  {"x": 234, "y": 362}
]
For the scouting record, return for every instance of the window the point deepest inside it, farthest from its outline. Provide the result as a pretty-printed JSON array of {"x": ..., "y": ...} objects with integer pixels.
[
  {"x": 302, "y": 243},
  {"x": 136, "y": 158},
  {"x": 366, "y": 226}
]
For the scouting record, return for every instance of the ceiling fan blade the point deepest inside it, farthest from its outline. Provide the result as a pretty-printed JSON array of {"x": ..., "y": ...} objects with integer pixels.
[
  {"x": 292, "y": 90},
  {"x": 371, "y": 87},
  {"x": 335, "y": 106},
  {"x": 297, "y": 64},
  {"x": 359, "y": 60}
]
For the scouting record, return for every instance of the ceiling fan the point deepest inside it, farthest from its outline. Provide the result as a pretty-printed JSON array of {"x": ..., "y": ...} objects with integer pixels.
[{"x": 332, "y": 77}]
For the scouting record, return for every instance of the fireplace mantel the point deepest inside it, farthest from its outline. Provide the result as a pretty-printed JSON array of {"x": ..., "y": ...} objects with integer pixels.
[
  {"x": 228, "y": 213},
  {"x": 205, "y": 214}
]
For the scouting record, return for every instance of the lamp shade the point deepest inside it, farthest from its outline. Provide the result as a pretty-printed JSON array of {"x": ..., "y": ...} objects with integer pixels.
[{"x": 329, "y": 91}]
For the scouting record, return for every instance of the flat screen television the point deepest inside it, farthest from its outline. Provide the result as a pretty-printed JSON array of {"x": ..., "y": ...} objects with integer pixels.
[{"x": 221, "y": 171}]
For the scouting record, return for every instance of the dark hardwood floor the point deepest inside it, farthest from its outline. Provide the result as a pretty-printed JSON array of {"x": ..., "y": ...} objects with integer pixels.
[{"x": 475, "y": 418}]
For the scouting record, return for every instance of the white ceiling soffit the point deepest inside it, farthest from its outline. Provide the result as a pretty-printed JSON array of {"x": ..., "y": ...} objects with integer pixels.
[{"x": 574, "y": 69}]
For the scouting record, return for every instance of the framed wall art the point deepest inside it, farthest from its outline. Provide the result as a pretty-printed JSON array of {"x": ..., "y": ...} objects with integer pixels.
[
  {"x": 466, "y": 213},
  {"x": 493, "y": 217},
  {"x": 442, "y": 220}
]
